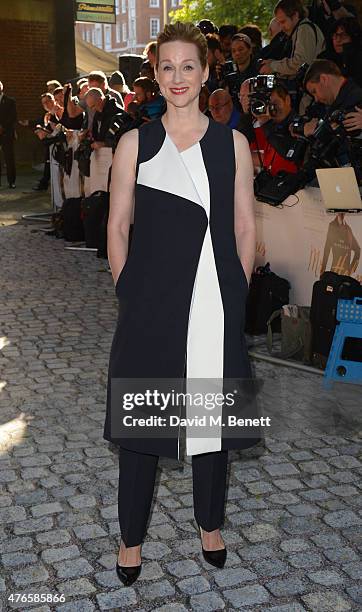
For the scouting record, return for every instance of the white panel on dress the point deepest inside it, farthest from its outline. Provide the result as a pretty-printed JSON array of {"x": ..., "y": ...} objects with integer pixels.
[
  {"x": 167, "y": 172},
  {"x": 205, "y": 341}
]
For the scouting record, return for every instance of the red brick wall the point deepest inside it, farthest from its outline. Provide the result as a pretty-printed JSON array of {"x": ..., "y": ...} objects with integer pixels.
[{"x": 30, "y": 62}]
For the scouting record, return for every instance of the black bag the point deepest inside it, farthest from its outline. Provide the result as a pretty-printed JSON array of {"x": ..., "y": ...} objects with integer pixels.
[
  {"x": 326, "y": 292},
  {"x": 57, "y": 221},
  {"x": 59, "y": 153},
  {"x": 68, "y": 161},
  {"x": 72, "y": 223},
  {"x": 267, "y": 292},
  {"x": 95, "y": 208},
  {"x": 275, "y": 189}
]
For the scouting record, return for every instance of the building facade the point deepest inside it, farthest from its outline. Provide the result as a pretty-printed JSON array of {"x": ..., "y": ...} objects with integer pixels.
[{"x": 137, "y": 23}]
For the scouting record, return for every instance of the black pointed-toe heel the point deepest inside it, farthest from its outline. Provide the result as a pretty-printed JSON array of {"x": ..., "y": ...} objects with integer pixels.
[
  {"x": 216, "y": 558},
  {"x": 128, "y": 575}
]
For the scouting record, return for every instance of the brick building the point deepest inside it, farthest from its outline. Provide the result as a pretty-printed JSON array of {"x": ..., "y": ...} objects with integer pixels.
[
  {"x": 137, "y": 22},
  {"x": 36, "y": 44}
]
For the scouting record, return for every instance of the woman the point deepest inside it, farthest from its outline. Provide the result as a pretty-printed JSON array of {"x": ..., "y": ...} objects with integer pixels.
[
  {"x": 182, "y": 288},
  {"x": 346, "y": 49}
]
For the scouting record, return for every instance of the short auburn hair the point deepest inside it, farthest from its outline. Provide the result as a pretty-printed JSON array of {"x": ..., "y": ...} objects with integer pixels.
[{"x": 184, "y": 32}]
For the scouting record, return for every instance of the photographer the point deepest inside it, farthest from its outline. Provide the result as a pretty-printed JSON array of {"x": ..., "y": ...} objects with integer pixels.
[
  {"x": 242, "y": 67},
  {"x": 105, "y": 108},
  {"x": 329, "y": 139},
  {"x": 271, "y": 137},
  {"x": 305, "y": 40},
  {"x": 346, "y": 50},
  {"x": 222, "y": 109},
  {"x": 98, "y": 80},
  {"x": 215, "y": 60},
  {"x": 326, "y": 84},
  {"x": 42, "y": 128},
  {"x": 226, "y": 33},
  {"x": 147, "y": 97}
]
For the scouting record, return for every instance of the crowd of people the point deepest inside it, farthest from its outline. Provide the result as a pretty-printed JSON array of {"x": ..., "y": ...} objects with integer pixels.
[{"x": 292, "y": 98}]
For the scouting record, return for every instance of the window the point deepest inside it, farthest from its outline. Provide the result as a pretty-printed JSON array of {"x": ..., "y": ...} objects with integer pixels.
[
  {"x": 124, "y": 6},
  {"x": 154, "y": 27},
  {"x": 154, "y": 3},
  {"x": 107, "y": 37},
  {"x": 124, "y": 32},
  {"x": 117, "y": 7},
  {"x": 118, "y": 32},
  {"x": 132, "y": 29},
  {"x": 93, "y": 37},
  {"x": 174, "y": 3},
  {"x": 88, "y": 35},
  {"x": 98, "y": 36}
]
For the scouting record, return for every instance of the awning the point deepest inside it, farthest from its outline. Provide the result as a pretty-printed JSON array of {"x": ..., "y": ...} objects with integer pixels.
[{"x": 89, "y": 57}]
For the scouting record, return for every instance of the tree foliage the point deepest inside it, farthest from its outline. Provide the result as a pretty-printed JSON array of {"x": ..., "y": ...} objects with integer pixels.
[{"x": 221, "y": 12}]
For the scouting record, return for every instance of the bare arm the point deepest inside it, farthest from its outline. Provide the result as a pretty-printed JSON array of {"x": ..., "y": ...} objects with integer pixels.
[
  {"x": 121, "y": 201},
  {"x": 245, "y": 225}
]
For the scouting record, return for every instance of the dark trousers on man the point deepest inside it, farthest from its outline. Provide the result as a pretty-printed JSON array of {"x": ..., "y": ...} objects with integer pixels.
[
  {"x": 7, "y": 146},
  {"x": 137, "y": 473}
]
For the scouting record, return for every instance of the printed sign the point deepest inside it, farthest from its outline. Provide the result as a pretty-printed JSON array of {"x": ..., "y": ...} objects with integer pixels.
[{"x": 96, "y": 11}]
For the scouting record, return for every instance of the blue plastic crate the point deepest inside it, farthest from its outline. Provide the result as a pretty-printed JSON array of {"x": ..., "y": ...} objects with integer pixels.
[{"x": 350, "y": 310}]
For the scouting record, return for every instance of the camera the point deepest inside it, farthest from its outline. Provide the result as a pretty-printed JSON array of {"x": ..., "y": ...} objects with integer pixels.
[
  {"x": 231, "y": 78},
  {"x": 57, "y": 136},
  {"x": 121, "y": 123},
  {"x": 228, "y": 68},
  {"x": 329, "y": 146},
  {"x": 83, "y": 154},
  {"x": 298, "y": 124},
  {"x": 260, "y": 89}
]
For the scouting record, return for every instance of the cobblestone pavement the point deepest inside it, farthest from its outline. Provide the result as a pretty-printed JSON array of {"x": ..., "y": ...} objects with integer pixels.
[{"x": 293, "y": 526}]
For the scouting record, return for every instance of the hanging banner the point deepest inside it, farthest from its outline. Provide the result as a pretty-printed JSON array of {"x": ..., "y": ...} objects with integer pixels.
[{"x": 96, "y": 11}]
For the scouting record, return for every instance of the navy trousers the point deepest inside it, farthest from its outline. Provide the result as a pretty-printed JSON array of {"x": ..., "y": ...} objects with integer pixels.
[{"x": 137, "y": 474}]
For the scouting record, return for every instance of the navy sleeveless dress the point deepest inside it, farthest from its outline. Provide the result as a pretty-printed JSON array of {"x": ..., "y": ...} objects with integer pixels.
[{"x": 182, "y": 291}]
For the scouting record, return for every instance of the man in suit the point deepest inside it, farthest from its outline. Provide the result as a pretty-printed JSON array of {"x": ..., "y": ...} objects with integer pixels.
[{"x": 7, "y": 134}]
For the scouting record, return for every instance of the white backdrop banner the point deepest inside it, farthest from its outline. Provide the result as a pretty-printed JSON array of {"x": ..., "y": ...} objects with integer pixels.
[{"x": 301, "y": 240}]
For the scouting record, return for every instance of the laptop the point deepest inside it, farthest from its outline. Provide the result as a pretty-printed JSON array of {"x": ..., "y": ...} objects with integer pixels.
[{"x": 339, "y": 189}]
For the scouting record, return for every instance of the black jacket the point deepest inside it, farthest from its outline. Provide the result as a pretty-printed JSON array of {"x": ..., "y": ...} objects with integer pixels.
[
  {"x": 279, "y": 136},
  {"x": 8, "y": 118},
  {"x": 102, "y": 121},
  {"x": 350, "y": 95}
]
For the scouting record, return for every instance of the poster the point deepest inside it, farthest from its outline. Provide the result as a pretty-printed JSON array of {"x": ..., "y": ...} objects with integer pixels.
[{"x": 301, "y": 240}]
